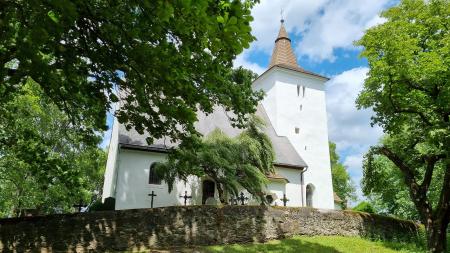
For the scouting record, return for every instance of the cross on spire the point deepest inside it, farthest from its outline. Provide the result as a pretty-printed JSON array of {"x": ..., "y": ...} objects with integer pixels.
[{"x": 281, "y": 15}]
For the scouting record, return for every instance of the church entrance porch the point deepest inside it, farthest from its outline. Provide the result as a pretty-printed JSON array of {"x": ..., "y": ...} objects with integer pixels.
[{"x": 208, "y": 189}]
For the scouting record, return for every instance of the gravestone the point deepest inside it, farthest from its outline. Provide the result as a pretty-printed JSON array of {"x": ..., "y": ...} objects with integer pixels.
[{"x": 211, "y": 201}]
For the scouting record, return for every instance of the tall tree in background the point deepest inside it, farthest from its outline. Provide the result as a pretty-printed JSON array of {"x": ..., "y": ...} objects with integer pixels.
[
  {"x": 342, "y": 182},
  {"x": 383, "y": 184},
  {"x": 233, "y": 163},
  {"x": 46, "y": 162},
  {"x": 170, "y": 57},
  {"x": 408, "y": 87}
]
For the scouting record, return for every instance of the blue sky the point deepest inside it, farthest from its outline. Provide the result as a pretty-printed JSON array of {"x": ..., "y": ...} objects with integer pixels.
[{"x": 323, "y": 34}]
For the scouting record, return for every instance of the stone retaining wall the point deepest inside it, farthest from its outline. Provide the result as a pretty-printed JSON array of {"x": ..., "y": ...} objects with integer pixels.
[{"x": 142, "y": 229}]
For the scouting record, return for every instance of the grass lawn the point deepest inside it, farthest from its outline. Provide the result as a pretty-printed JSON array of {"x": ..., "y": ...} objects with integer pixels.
[{"x": 322, "y": 244}]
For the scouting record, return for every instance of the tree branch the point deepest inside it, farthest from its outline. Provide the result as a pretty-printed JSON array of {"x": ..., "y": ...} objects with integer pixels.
[
  {"x": 418, "y": 197},
  {"x": 431, "y": 162}
]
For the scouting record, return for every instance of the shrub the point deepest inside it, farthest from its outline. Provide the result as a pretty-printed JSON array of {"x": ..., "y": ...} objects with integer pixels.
[{"x": 364, "y": 206}]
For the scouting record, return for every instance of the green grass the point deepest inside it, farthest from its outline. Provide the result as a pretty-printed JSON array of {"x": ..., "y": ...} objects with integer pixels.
[{"x": 322, "y": 244}]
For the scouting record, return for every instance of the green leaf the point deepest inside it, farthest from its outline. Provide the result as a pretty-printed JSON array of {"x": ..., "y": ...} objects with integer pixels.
[{"x": 53, "y": 16}]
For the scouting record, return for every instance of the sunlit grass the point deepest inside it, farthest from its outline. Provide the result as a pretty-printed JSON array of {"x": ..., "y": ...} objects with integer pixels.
[{"x": 322, "y": 244}]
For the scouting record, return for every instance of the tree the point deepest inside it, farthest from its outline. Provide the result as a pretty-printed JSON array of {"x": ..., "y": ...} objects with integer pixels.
[
  {"x": 170, "y": 57},
  {"x": 383, "y": 184},
  {"x": 364, "y": 206},
  {"x": 45, "y": 162},
  {"x": 408, "y": 88},
  {"x": 233, "y": 163},
  {"x": 342, "y": 182}
]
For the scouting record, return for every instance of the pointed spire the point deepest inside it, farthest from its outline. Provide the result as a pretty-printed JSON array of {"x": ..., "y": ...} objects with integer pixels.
[{"x": 282, "y": 53}]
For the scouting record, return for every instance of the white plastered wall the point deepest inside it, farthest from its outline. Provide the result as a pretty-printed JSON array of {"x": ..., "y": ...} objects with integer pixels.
[
  {"x": 111, "y": 163},
  {"x": 282, "y": 104},
  {"x": 292, "y": 189},
  {"x": 133, "y": 188}
]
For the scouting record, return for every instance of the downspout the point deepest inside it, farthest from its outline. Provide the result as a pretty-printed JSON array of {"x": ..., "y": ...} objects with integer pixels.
[{"x": 302, "y": 183}]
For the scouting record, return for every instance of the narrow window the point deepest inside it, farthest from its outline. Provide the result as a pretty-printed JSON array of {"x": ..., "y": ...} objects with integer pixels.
[
  {"x": 298, "y": 90},
  {"x": 153, "y": 178},
  {"x": 304, "y": 91},
  {"x": 297, "y": 130},
  {"x": 301, "y": 107}
]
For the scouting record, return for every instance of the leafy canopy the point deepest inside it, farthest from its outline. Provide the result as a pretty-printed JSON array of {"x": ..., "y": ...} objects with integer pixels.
[
  {"x": 364, "y": 206},
  {"x": 408, "y": 87},
  {"x": 233, "y": 163},
  {"x": 45, "y": 163},
  {"x": 170, "y": 57},
  {"x": 383, "y": 183}
]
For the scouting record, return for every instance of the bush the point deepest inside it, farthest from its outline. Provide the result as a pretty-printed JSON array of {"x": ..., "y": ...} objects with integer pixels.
[{"x": 364, "y": 207}]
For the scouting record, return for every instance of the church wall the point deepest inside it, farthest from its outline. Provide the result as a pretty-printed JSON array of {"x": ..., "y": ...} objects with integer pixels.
[
  {"x": 111, "y": 163},
  {"x": 293, "y": 188},
  {"x": 306, "y": 112},
  {"x": 133, "y": 186}
]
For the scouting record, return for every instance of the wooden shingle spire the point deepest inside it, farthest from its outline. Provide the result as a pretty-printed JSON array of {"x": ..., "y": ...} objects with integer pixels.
[{"x": 282, "y": 53}]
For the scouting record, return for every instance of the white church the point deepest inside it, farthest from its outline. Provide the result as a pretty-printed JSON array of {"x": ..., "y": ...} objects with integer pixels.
[{"x": 296, "y": 122}]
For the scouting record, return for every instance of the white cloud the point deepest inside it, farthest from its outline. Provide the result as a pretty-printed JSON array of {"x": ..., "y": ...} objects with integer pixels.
[
  {"x": 348, "y": 127},
  {"x": 324, "y": 25}
]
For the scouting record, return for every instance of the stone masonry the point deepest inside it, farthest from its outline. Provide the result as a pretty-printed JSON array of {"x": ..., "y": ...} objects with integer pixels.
[{"x": 142, "y": 229}]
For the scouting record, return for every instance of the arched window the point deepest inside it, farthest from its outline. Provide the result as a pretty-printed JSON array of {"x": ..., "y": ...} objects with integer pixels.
[
  {"x": 153, "y": 178},
  {"x": 309, "y": 195}
]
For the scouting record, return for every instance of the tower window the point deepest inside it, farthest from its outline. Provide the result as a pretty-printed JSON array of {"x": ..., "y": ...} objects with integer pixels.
[
  {"x": 298, "y": 90},
  {"x": 304, "y": 89},
  {"x": 301, "y": 107},
  {"x": 153, "y": 178},
  {"x": 297, "y": 130}
]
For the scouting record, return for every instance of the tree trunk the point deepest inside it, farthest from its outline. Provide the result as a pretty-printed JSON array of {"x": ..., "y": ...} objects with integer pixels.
[
  {"x": 221, "y": 194},
  {"x": 437, "y": 236}
]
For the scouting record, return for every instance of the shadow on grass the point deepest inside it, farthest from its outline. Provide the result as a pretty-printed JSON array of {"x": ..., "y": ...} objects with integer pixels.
[
  {"x": 418, "y": 246},
  {"x": 284, "y": 246}
]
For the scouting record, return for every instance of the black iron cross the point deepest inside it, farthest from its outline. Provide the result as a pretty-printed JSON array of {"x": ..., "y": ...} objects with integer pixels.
[
  {"x": 186, "y": 197},
  {"x": 152, "y": 195},
  {"x": 242, "y": 198},
  {"x": 284, "y": 199},
  {"x": 79, "y": 206}
]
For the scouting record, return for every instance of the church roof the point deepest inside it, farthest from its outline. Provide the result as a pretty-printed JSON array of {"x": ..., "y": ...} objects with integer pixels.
[
  {"x": 282, "y": 52},
  {"x": 285, "y": 154},
  {"x": 283, "y": 55}
]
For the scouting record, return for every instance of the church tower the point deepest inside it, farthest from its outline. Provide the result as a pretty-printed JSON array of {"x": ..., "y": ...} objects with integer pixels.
[{"x": 295, "y": 105}]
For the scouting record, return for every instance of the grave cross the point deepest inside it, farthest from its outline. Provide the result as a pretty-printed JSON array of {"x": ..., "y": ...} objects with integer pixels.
[
  {"x": 186, "y": 197},
  {"x": 79, "y": 206},
  {"x": 242, "y": 198},
  {"x": 284, "y": 199},
  {"x": 152, "y": 195}
]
